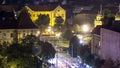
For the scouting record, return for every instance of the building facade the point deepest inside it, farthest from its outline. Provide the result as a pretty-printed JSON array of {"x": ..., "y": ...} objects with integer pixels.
[
  {"x": 110, "y": 44},
  {"x": 15, "y": 22},
  {"x": 95, "y": 41},
  {"x": 100, "y": 16},
  {"x": 51, "y": 11},
  {"x": 12, "y": 29}
]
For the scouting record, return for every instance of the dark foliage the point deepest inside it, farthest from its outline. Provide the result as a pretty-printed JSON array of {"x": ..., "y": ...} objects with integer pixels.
[
  {"x": 58, "y": 23},
  {"x": 43, "y": 20},
  {"x": 48, "y": 51},
  {"x": 73, "y": 45},
  {"x": 29, "y": 40},
  {"x": 67, "y": 34}
]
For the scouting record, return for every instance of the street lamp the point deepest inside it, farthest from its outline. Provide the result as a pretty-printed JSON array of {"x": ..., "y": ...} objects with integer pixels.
[
  {"x": 49, "y": 29},
  {"x": 58, "y": 36},
  {"x": 85, "y": 28}
]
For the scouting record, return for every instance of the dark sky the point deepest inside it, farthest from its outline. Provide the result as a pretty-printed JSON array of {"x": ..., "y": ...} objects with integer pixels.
[{"x": 72, "y": 2}]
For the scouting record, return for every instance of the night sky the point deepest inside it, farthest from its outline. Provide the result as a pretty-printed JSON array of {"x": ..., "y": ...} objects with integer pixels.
[{"x": 70, "y": 2}]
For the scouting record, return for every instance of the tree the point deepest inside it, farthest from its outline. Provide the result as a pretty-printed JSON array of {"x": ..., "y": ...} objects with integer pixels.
[
  {"x": 48, "y": 51},
  {"x": 58, "y": 22},
  {"x": 43, "y": 21},
  {"x": 29, "y": 40},
  {"x": 67, "y": 34},
  {"x": 77, "y": 28},
  {"x": 20, "y": 54},
  {"x": 73, "y": 46}
]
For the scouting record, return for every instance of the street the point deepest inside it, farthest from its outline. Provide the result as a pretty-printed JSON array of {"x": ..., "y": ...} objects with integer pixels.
[{"x": 63, "y": 60}]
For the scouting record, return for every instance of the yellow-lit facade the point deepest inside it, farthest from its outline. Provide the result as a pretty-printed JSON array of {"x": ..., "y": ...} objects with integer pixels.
[
  {"x": 98, "y": 20},
  {"x": 7, "y": 35},
  {"x": 117, "y": 17},
  {"x": 58, "y": 11}
]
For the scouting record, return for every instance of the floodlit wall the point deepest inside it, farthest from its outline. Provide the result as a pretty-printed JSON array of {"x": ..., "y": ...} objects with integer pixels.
[
  {"x": 110, "y": 44},
  {"x": 7, "y": 35}
]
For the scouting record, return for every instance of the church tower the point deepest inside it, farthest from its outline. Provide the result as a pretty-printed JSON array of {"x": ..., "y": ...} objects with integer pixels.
[
  {"x": 98, "y": 19},
  {"x": 117, "y": 16}
]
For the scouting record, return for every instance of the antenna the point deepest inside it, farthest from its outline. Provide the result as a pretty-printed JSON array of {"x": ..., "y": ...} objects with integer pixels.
[{"x": 100, "y": 9}]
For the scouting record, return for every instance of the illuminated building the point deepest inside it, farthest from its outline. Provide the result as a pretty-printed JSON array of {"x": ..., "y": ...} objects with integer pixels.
[
  {"x": 15, "y": 22},
  {"x": 100, "y": 16},
  {"x": 117, "y": 16},
  {"x": 52, "y": 11},
  {"x": 12, "y": 30},
  {"x": 98, "y": 20}
]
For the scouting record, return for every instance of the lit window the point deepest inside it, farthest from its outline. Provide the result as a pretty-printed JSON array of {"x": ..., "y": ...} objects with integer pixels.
[
  {"x": 4, "y": 36},
  {"x": 38, "y": 15},
  {"x": 99, "y": 43},
  {"x": 32, "y": 32}
]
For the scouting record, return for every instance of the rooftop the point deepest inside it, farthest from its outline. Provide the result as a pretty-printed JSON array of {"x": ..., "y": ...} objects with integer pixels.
[{"x": 8, "y": 21}]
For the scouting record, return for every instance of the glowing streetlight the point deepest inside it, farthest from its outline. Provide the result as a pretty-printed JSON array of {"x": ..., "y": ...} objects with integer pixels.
[
  {"x": 38, "y": 32},
  {"x": 49, "y": 29},
  {"x": 58, "y": 35},
  {"x": 85, "y": 28}
]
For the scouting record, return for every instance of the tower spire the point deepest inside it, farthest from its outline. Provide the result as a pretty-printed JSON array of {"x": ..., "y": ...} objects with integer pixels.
[
  {"x": 119, "y": 8},
  {"x": 101, "y": 9}
]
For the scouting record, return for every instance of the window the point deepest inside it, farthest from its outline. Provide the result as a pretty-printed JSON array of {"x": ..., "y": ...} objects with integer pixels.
[
  {"x": 4, "y": 35},
  {"x": 54, "y": 15},
  {"x": 23, "y": 34},
  {"x": 29, "y": 14},
  {"x": 38, "y": 15},
  {"x": 11, "y": 35},
  {"x": 33, "y": 15},
  {"x": 62, "y": 15},
  {"x": 31, "y": 32},
  {"x": 8, "y": 31}
]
